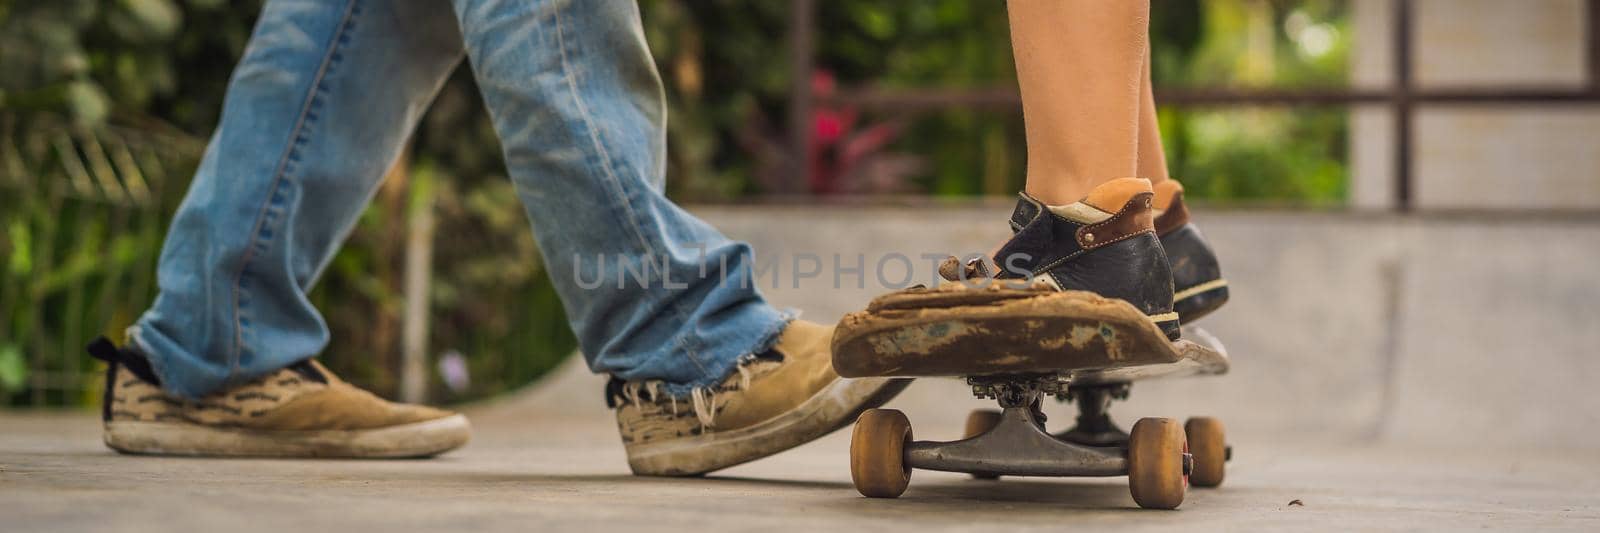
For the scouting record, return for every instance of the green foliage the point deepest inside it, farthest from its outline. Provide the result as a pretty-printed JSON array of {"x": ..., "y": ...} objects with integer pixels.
[
  {"x": 88, "y": 58},
  {"x": 81, "y": 208},
  {"x": 1256, "y": 155},
  {"x": 104, "y": 106},
  {"x": 13, "y": 368},
  {"x": 950, "y": 44},
  {"x": 725, "y": 92},
  {"x": 728, "y": 88},
  {"x": 1260, "y": 156},
  {"x": 728, "y": 93},
  {"x": 1261, "y": 44},
  {"x": 98, "y": 135}
]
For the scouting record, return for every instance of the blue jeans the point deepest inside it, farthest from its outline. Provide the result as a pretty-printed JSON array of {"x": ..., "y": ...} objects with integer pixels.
[{"x": 320, "y": 106}]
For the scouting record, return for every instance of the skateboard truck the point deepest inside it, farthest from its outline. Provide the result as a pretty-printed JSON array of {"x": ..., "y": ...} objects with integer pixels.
[
  {"x": 1017, "y": 446},
  {"x": 1010, "y": 390},
  {"x": 1018, "y": 443},
  {"x": 1094, "y": 425}
]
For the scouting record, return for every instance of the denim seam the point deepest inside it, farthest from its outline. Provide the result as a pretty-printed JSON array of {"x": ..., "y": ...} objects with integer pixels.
[
  {"x": 296, "y": 138},
  {"x": 606, "y": 163},
  {"x": 594, "y": 135},
  {"x": 683, "y": 343}
]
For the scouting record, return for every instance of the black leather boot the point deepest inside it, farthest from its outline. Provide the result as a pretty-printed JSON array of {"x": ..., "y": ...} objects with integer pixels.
[
  {"x": 1197, "y": 281},
  {"x": 1105, "y": 244}
]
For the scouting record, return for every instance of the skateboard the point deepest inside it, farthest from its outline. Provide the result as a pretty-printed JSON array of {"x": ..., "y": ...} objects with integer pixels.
[{"x": 1075, "y": 346}]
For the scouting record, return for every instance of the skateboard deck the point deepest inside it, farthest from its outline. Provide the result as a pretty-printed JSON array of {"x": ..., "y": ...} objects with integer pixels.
[
  {"x": 1200, "y": 354},
  {"x": 962, "y": 330}
]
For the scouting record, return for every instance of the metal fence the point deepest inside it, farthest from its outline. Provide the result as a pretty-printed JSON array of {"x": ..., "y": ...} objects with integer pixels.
[{"x": 1403, "y": 96}]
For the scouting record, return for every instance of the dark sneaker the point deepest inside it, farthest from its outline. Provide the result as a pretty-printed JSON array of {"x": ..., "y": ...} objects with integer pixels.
[
  {"x": 300, "y": 411},
  {"x": 779, "y": 399},
  {"x": 1198, "y": 285},
  {"x": 1079, "y": 286},
  {"x": 1105, "y": 244}
]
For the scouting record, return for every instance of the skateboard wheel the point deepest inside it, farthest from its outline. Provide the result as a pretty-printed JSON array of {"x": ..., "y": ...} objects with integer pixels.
[
  {"x": 980, "y": 421},
  {"x": 878, "y": 453},
  {"x": 1155, "y": 463},
  {"x": 1210, "y": 450}
]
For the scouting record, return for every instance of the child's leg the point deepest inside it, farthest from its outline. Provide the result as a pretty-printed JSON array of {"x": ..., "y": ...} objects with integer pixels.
[
  {"x": 1152, "y": 157},
  {"x": 1080, "y": 65}
]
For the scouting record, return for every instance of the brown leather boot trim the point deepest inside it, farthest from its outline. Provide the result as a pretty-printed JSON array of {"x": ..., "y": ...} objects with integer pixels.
[
  {"x": 1134, "y": 218},
  {"x": 1174, "y": 217},
  {"x": 1166, "y": 191},
  {"x": 1111, "y": 194}
]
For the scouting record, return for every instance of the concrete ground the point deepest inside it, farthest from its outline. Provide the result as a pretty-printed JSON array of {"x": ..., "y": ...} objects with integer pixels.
[
  {"x": 550, "y": 460},
  {"x": 1390, "y": 373}
]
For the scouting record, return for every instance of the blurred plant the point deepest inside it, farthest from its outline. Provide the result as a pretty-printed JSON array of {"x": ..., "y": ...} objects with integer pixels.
[
  {"x": 724, "y": 90},
  {"x": 86, "y": 174},
  {"x": 845, "y": 156},
  {"x": 1244, "y": 155},
  {"x": 82, "y": 212},
  {"x": 99, "y": 132},
  {"x": 955, "y": 44},
  {"x": 717, "y": 61},
  {"x": 727, "y": 96}
]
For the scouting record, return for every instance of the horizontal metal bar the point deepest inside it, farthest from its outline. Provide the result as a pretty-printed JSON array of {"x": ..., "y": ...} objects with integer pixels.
[
  {"x": 921, "y": 100},
  {"x": 1346, "y": 97},
  {"x": 855, "y": 202}
]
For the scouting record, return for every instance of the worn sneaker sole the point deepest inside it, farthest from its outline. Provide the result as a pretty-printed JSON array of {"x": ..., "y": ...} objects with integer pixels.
[
  {"x": 1200, "y": 300},
  {"x": 830, "y": 409},
  {"x": 956, "y": 331},
  {"x": 418, "y": 439}
]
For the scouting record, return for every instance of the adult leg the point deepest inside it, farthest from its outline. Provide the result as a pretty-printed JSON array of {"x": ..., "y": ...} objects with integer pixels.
[
  {"x": 1079, "y": 67},
  {"x": 706, "y": 373},
  {"x": 575, "y": 97},
  {"x": 317, "y": 110}
]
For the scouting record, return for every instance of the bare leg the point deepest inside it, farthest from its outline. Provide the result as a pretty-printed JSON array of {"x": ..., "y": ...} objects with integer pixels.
[
  {"x": 1152, "y": 158},
  {"x": 1080, "y": 66}
]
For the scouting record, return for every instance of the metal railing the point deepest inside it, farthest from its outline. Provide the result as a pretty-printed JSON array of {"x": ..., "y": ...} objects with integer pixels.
[{"x": 1402, "y": 97}]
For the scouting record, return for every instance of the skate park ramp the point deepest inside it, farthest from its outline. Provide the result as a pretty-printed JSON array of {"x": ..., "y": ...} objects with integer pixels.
[{"x": 1428, "y": 372}]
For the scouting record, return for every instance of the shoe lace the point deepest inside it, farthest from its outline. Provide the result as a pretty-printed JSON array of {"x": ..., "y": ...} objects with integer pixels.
[{"x": 954, "y": 269}]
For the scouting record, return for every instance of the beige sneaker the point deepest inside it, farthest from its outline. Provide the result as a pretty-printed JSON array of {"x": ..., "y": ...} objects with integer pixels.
[
  {"x": 777, "y": 400},
  {"x": 300, "y": 411}
]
